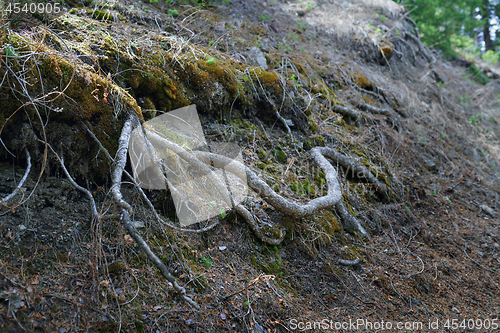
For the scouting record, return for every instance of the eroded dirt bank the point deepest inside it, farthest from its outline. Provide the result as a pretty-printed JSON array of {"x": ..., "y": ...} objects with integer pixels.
[{"x": 278, "y": 79}]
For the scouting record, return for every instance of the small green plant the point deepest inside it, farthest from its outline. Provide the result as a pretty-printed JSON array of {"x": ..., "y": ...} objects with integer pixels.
[
  {"x": 465, "y": 99},
  {"x": 434, "y": 191},
  {"x": 10, "y": 51},
  {"x": 222, "y": 213},
  {"x": 210, "y": 61},
  {"x": 257, "y": 43},
  {"x": 473, "y": 120},
  {"x": 294, "y": 79},
  {"x": 153, "y": 1},
  {"x": 378, "y": 31},
  {"x": 375, "y": 15},
  {"x": 440, "y": 84},
  {"x": 211, "y": 43},
  {"x": 382, "y": 17},
  {"x": 227, "y": 2},
  {"x": 309, "y": 5},
  {"x": 264, "y": 17},
  {"x": 173, "y": 12},
  {"x": 369, "y": 26},
  {"x": 301, "y": 26},
  {"x": 207, "y": 262},
  {"x": 478, "y": 75},
  {"x": 479, "y": 117},
  {"x": 407, "y": 208},
  {"x": 492, "y": 119},
  {"x": 398, "y": 32},
  {"x": 443, "y": 135}
]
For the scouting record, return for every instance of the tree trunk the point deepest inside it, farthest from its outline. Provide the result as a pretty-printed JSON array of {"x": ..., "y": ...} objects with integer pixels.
[{"x": 486, "y": 14}]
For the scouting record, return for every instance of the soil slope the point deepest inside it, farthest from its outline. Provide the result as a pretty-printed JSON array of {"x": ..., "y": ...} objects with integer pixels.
[{"x": 277, "y": 78}]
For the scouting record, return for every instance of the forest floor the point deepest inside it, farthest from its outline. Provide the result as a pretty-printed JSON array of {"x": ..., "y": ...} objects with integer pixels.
[{"x": 430, "y": 262}]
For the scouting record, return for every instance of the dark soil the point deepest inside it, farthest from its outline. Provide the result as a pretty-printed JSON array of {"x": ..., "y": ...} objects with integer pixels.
[{"x": 432, "y": 256}]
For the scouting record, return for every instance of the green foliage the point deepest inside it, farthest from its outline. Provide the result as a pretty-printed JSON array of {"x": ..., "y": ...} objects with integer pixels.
[
  {"x": 465, "y": 46},
  {"x": 264, "y": 17},
  {"x": 438, "y": 20},
  {"x": 491, "y": 57},
  {"x": 173, "y": 12},
  {"x": 210, "y": 61},
  {"x": 464, "y": 99},
  {"x": 473, "y": 120},
  {"x": 207, "y": 262},
  {"x": 309, "y": 5},
  {"x": 301, "y": 26},
  {"x": 478, "y": 75},
  {"x": 10, "y": 51}
]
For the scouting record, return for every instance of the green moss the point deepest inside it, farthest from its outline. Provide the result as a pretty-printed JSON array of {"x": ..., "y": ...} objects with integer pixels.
[
  {"x": 261, "y": 165},
  {"x": 309, "y": 188},
  {"x": 319, "y": 141},
  {"x": 262, "y": 155},
  {"x": 280, "y": 155},
  {"x": 312, "y": 124},
  {"x": 116, "y": 268},
  {"x": 296, "y": 187}
]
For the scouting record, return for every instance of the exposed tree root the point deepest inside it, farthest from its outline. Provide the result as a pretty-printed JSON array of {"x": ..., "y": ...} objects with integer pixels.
[
  {"x": 125, "y": 208},
  {"x": 201, "y": 161},
  {"x": 93, "y": 206},
  {"x": 430, "y": 58},
  {"x": 332, "y": 198},
  {"x": 18, "y": 187},
  {"x": 373, "y": 109},
  {"x": 351, "y": 113},
  {"x": 345, "y": 262}
]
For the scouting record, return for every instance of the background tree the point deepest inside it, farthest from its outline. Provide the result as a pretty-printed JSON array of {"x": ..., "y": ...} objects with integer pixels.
[{"x": 439, "y": 20}]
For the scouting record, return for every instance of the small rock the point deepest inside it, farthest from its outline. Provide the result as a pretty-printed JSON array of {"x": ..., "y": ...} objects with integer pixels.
[
  {"x": 487, "y": 209},
  {"x": 258, "y": 329},
  {"x": 430, "y": 164},
  {"x": 258, "y": 57},
  {"x": 138, "y": 224},
  {"x": 495, "y": 245},
  {"x": 190, "y": 322},
  {"x": 484, "y": 245},
  {"x": 454, "y": 309},
  {"x": 22, "y": 227},
  {"x": 222, "y": 248},
  {"x": 479, "y": 253}
]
